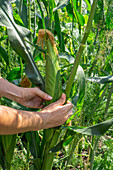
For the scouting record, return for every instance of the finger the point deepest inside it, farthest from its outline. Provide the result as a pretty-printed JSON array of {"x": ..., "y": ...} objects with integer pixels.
[
  {"x": 68, "y": 102},
  {"x": 69, "y": 114},
  {"x": 67, "y": 107},
  {"x": 61, "y": 101},
  {"x": 42, "y": 94}
]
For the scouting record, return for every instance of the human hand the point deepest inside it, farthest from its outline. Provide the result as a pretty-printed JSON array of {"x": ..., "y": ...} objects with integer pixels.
[
  {"x": 56, "y": 113},
  {"x": 33, "y": 97},
  {"x": 29, "y": 97}
]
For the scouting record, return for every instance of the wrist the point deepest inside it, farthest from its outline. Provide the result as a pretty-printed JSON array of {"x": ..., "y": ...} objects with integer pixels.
[
  {"x": 43, "y": 117},
  {"x": 3, "y": 88},
  {"x": 9, "y": 90}
]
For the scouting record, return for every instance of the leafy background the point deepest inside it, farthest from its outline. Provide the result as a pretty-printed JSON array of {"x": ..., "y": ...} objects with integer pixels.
[{"x": 91, "y": 92}]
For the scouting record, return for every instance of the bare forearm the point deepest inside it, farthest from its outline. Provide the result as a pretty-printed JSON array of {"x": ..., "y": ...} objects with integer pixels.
[
  {"x": 9, "y": 90},
  {"x": 14, "y": 121}
]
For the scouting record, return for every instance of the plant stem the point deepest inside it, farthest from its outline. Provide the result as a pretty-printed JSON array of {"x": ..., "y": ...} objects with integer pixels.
[
  {"x": 93, "y": 152},
  {"x": 100, "y": 98},
  {"x": 34, "y": 19},
  {"x": 48, "y": 157},
  {"x": 80, "y": 51},
  {"x": 108, "y": 100},
  {"x": 42, "y": 15},
  {"x": 72, "y": 150},
  {"x": 80, "y": 11},
  {"x": 21, "y": 67},
  {"x": 20, "y": 7},
  {"x": 29, "y": 14}
]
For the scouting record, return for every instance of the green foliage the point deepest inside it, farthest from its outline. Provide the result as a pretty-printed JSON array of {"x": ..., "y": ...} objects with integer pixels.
[
  {"x": 86, "y": 49},
  {"x": 16, "y": 35}
]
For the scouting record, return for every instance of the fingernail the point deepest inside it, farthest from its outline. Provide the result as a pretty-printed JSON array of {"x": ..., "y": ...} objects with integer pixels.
[
  {"x": 62, "y": 96},
  {"x": 49, "y": 97}
]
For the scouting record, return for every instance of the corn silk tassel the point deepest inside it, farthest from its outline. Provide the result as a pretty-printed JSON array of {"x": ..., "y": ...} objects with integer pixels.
[{"x": 53, "y": 87}]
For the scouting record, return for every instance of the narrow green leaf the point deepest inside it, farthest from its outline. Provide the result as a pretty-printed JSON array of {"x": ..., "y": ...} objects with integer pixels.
[
  {"x": 34, "y": 143},
  {"x": 37, "y": 163},
  {"x": 69, "y": 9},
  {"x": 9, "y": 142},
  {"x": 13, "y": 104},
  {"x": 36, "y": 46},
  {"x": 61, "y": 4},
  {"x": 68, "y": 140},
  {"x": 57, "y": 148},
  {"x": 58, "y": 30},
  {"x": 98, "y": 129},
  {"x": 3, "y": 38},
  {"x": 2, "y": 160},
  {"x": 101, "y": 80},
  {"x": 80, "y": 19},
  {"x": 88, "y": 4},
  {"x": 17, "y": 19},
  {"x": 4, "y": 54},
  {"x": 67, "y": 57},
  {"x": 14, "y": 74},
  {"x": 81, "y": 83}
]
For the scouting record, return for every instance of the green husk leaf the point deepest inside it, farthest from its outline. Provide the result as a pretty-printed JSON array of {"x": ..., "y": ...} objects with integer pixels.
[{"x": 53, "y": 79}]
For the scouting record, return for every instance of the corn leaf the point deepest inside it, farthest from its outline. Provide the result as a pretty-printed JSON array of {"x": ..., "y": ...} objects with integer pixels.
[
  {"x": 37, "y": 163},
  {"x": 58, "y": 30},
  {"x": 2, "y": 161},
  {"x": 16, "y": 35},
  {"x": 61, "y": 4},
  {"x": 68, "y": 57},
  {"x": 79, "y": 18},
  {"x": 9, "y": 142},
  {"x": 34, "y": 143},
  {"x": 101, "y": 80},
  {"x": 98, "y": 129},
  {"x": 4, "y": 54},
  {"x": 88, "y": 4},
  {"x": 3, "y": 38},
  {"x": 13, "y": 104},
  {"x": 67, "y": 139},
  {"x": 14, "y": 74},
  {"x": 81, "y": 83}
]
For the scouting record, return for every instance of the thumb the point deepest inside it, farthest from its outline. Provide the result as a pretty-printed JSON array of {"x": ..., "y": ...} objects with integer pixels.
[{"x": 62, "y": 100}]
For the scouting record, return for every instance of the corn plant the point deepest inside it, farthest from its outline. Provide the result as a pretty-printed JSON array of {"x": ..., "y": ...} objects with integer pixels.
[{"x": 20, "y": 38}]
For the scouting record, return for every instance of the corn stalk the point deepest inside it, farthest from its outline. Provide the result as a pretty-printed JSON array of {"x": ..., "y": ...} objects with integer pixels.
[
  {"x": 81, "y": 48},
  {"x": 53, "y": 88},
  {"x": 53, "y": 85}
]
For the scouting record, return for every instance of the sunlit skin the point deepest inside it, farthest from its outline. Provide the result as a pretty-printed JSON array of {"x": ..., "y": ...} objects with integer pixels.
[{"x": 14, "y": 121}]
